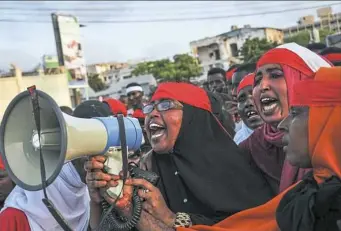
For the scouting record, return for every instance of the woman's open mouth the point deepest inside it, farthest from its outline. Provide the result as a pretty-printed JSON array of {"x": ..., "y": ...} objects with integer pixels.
[
  {"x": 156, "y": 131},
  {"x": 268, "y": 105}
]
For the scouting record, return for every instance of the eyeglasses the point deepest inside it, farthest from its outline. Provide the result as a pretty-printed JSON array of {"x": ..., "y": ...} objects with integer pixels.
[{"x": 161, "y": 106}]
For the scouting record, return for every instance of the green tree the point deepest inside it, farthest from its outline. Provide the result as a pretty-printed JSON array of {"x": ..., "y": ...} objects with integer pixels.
[
  {"x": 183, "y": 67},
  {"x": 96, "y": 83},
  {"x": 254, "y": 48},
  {"x": 302, "y": 38},
  {"x": 324, "y": 33}
]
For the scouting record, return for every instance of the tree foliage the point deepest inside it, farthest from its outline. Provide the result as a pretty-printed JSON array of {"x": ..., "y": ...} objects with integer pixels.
[
  {"x": 324, "y": 33},
  {"x": 254, "y": 48},
  {"x": 183, "y": 67},
  {"x": 303, "y": 38},
  {"x": 96, "y": 83}
]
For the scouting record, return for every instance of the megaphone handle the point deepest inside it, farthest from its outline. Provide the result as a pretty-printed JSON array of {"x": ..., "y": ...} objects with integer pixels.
[{"x": 113, "y": 166}]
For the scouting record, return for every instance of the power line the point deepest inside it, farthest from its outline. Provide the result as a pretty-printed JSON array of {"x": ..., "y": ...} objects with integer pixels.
[
  {"x": 129, "y": 7},
  {"x": 177, "y": 19},
  {"x": 143, "y": 13}
]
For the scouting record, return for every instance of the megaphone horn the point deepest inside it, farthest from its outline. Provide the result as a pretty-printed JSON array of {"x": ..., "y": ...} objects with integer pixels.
[{"x": 63, "y": 138}]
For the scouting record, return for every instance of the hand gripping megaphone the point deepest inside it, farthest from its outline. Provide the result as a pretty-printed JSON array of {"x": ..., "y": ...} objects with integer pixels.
[{"x": 62, "y": 138}]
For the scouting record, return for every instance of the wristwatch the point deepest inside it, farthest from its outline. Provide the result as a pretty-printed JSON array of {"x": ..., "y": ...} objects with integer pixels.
[{"x": 182, "y": 220}]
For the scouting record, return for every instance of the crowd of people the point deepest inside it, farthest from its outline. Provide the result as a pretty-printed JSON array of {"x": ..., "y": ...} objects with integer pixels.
[{"x": 257, "y": 147}]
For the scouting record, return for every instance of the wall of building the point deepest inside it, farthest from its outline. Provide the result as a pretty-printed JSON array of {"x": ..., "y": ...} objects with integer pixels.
[
  {"x": 273, "y": 35},
  {"x": 54, "y": 85}
]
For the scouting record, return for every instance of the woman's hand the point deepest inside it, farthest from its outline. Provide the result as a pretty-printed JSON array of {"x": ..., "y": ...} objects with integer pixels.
[
  {"x": 123, "y": 204},
  {"x": 96, "y": 179},
  {"x": 154, "y": 202}
]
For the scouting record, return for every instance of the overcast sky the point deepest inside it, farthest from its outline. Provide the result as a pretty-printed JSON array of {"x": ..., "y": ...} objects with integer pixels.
[{"x": 26, "y": 40}]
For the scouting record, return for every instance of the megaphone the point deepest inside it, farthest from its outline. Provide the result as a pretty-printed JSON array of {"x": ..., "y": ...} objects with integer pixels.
[{"x": 62, "y": 138}]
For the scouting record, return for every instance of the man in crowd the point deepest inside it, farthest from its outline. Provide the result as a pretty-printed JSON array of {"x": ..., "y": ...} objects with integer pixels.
[
  {"x": 229, "y": 75},
  {"x": 246, "y": 109},
  {"x": 124, "y": 100},
  {"x": 237, "y": 77},
  {"x": 216, "y": 80},
  {"x": 135, "y": 94}
]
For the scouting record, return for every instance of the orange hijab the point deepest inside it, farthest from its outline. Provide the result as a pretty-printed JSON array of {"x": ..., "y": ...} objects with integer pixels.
[{"x": 324, "y": 145}]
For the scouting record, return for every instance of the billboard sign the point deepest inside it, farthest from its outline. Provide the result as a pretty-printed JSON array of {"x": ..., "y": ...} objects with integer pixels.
[{"x": 69, "y": 49}]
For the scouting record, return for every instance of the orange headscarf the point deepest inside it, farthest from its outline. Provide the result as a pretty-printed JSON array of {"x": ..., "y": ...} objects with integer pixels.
[{"x": 325, "y": 149}]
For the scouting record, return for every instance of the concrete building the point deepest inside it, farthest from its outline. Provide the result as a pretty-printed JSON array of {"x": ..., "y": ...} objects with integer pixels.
[
  {"x": 105, "y": 70},
  {"x": 327, "y": 20},
  {"x": 223, "y": 50},
  {"x": 119, "y": 79},
  {"x": 56, "y": 86}
]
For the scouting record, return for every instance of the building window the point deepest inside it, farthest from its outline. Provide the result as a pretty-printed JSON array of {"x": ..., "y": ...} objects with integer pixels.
[
  {"x": 234, "y": 49},
  {"x": 217, "y": 54}
]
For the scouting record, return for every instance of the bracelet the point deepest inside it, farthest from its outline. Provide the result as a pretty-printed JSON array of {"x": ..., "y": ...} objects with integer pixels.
[{"x": 182, "y": 220}]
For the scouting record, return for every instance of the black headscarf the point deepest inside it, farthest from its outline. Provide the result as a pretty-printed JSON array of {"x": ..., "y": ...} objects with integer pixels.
[
  {"x": 206, "y": 175},
  {"x": 311, "y": 207},
  {"x": 92, "y": 108}
]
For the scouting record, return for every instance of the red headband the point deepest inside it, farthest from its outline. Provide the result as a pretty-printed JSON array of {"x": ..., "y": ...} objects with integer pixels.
[
  {"x": 2, "y": 166},
  {"x": 230, "y": 73},
  {"x": 138, "y": 114},
  {"x": 246, "y": 81},
  {"x": 316, "y": 93},
  {"x": 116, "y": 106},
  {"x": 286, "y": 57},
  {"x": 185, "y": 93},
  {"x": 334, "y": 57}
]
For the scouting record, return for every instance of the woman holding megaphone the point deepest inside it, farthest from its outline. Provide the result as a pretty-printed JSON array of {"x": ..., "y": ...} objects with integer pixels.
[{"x": 203, "y": 177}]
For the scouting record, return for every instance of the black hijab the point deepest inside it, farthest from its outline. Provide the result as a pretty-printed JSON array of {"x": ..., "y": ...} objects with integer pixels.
[{"x": 206, "y": 173}]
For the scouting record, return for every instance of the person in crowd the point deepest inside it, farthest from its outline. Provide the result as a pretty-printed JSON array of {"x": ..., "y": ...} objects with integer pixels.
[
  {"x": 220, "y": 111},
  {"x": 246, "y": 109},
  {"x": 229, "y": 75},
  {"x": 316, "y": 47},
  {"x": 216, "y": 79},
  {"x": 229, "y": 104},
  {"x": 135, "y": 94},
  {"x": 124, "y": 100},
  {"x": 25, "y": 211},
  {"x": 115, "y": 106},
  {"x": 6, "y": 184},
  {"x": 191, "y": 152},
  {"x": 312, "y": 130},
  {"x": 66, "y": 110},
  {"x": 205, "y": 86},
  {"x": 277, "y": 71},
  {"x": 238, "y": 75},
  {"x": 332, "y": 54}
]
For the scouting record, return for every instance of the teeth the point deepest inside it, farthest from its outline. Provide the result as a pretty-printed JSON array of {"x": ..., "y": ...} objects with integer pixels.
[
  {"x": 265, "y": 100},
  {"x": 157, "y": 135},
  {"x": 270, "y": 107},
  {"x": 155, "y": 126}
]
